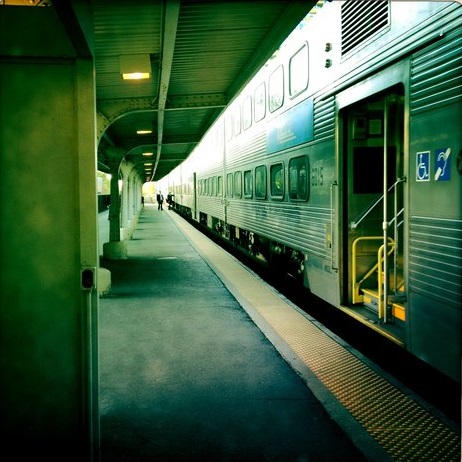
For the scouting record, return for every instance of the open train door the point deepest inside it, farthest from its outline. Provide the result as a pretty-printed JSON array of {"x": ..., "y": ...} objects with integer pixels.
[{"x": 372, "y": 142}]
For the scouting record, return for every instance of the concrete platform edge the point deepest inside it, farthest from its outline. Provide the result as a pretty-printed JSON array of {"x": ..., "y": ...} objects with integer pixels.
[{"x": 356, "y": 433}]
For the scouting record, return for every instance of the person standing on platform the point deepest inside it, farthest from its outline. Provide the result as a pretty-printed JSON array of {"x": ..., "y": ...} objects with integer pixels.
[
  {"x": 160, "y": 200},
  {"x": 170, "y": 200}
]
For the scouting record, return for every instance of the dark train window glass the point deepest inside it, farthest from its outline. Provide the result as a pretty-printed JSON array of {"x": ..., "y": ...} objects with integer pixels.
[
  {"x": 276, "y": 89},
  {"x": 214, "y": 186},
  {"x": 298, "y": 178},
  {"x": 277, "y": 180},
  {"x": 260, "y": 182},
  {"x": 247, "y": 113},
  {"x": 370, "y": 160},
  {"x": 237, "y": 120},
  {"x": 229, "y": 185},
  {"x": 220, "y": 186},
  {"x": 209, "y": 186},
  {"x": 259, "y": 101},
  {"x": 248, "y": 183},
  {"x": 237, "y": 184},
  {"x": 298, "y": 71}
]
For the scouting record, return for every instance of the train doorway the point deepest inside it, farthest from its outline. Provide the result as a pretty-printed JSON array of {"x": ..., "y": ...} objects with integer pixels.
[{"x": 373, "y": 206}]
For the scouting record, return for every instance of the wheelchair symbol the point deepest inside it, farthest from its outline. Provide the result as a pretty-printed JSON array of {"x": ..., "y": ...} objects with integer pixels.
[{"x": 423, "y": 166}]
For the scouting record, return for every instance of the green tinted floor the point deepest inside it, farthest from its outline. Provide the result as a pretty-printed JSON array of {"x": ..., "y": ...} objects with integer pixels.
[{"x": 185, "y": 374}]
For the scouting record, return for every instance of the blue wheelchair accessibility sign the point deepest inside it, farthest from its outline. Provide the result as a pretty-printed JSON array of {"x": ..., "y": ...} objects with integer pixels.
[
  {"x": 422, "y": 172},
  {"x": 442, "y": 164}
]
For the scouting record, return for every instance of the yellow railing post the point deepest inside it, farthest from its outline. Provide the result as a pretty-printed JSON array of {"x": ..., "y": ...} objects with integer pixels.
[{"x": 356, "y": 297}]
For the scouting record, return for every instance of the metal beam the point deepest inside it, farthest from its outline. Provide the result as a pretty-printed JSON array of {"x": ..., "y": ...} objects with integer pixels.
[{"x": 172, "y": 13}]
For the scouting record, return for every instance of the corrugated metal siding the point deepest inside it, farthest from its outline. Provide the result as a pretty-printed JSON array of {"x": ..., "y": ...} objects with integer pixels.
[
  {"x": 362, "y": 20},
  {"x": 436, "y": 75},
  {"x": 213, "y": 206},
  {"x": 213, "y": 39},
  {"x": 254, "y": 152},
  {"x": 324, "y": 119},
  {"x": 115, "y": 34},
  {"x": 297, "y": 226},
  {"x": 435, "y": 261}
]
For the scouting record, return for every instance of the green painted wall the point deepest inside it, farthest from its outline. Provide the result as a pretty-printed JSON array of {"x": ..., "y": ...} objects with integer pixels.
[{"x": 48, "y": 232}]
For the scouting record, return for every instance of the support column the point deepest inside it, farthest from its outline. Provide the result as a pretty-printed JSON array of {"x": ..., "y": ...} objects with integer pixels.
[{"x": 115, "y": 249}]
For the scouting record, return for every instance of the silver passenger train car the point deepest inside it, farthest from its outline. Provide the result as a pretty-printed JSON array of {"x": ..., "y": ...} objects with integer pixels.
[{"x": 341, "y": 163}]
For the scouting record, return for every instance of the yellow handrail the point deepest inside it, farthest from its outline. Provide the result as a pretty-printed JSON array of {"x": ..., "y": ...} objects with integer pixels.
[
  {"x": 356, "y": 296},
  {"x": 381, "y": 276}
]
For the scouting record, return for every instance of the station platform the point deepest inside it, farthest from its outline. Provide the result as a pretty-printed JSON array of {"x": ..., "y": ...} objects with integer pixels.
[{"x": 201, "y": 360}]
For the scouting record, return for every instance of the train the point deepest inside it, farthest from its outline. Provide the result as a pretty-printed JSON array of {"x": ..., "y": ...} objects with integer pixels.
[{"x": 340, "y": 163}]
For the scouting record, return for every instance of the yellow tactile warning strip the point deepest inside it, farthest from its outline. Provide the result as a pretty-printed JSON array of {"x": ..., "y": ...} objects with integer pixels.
[{"x": 400, "y": 425}]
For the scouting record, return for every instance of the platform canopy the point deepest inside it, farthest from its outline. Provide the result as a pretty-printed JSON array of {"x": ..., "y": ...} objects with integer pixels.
[
  {"x": 198, "y": 54},
  {"x": 195, "y": 56}
]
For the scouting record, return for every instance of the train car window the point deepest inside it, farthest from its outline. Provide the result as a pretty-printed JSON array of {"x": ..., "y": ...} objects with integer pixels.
[
  {"x": 370, "y": 159},
  {"x": 228, "y": 126},
  {"x": 247, "y": 113},
  {"x": 237, "y": 184},
  {"x": 298, "y": 178},
  {"x": 229, "y": 185},
  {"x": 237, "y": 120},
  {"x": 214, "y": 186},
  {"x": 277, "y": 180},
  {"x": 276, "y": 89},
  {"x": 200, "y": 187},
  {"x": 260, "y": 182},
  {"x": 259, "y": 102},
  {"x": 248, "y": 184},
  {"x": 220, "y": 186},
  {"x": 298, "y": 71}
]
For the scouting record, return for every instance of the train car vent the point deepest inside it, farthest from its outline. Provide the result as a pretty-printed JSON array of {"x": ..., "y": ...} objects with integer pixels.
[{"x": 361, "y": 20}]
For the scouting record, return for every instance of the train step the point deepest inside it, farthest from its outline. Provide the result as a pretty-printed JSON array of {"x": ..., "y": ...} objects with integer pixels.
[{"x": 371, "y": 301}]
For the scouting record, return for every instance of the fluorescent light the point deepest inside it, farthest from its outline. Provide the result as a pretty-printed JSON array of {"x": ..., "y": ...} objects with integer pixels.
[
  {"x": 148, "y": 153},
  {"x": 135, "y": 66},
  {"x": 136, "y": 76},
  {"x": 143, "y": 132}
]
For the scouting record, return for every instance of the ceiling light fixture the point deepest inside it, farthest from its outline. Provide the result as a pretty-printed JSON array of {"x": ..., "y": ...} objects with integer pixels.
[
  {"x": 135, "y": 67},
  {"x": 143, "y": 132}
]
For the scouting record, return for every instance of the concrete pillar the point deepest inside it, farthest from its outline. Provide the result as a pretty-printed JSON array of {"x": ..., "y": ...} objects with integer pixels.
[
  {"x": 115, "y": 249},
  {"x": 125, "y": 198},
  {"x": 48, "y": 228}
]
